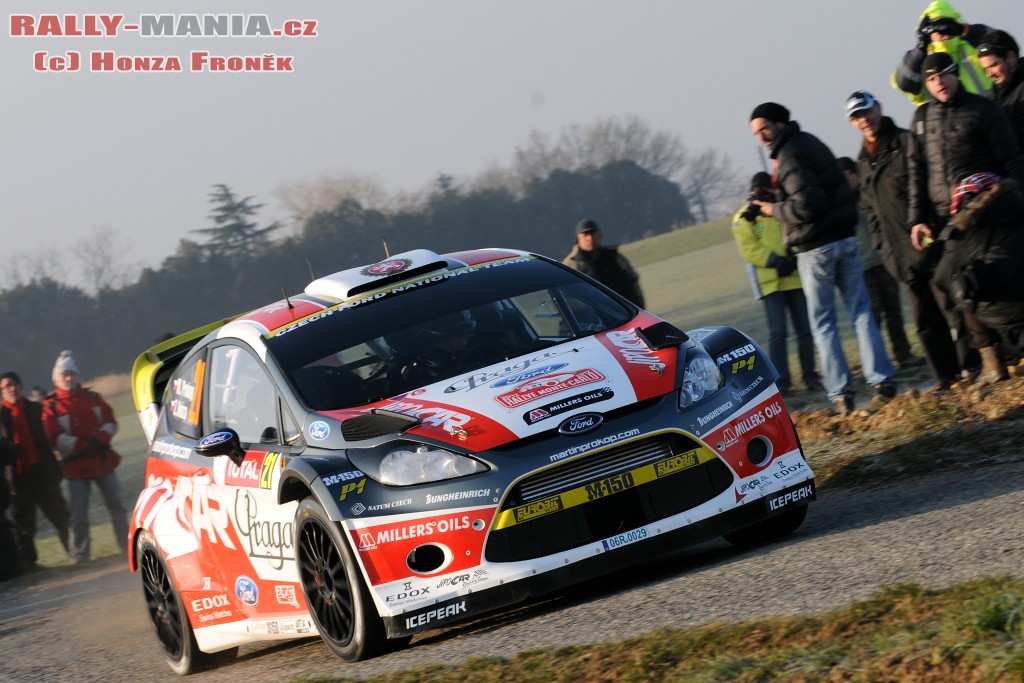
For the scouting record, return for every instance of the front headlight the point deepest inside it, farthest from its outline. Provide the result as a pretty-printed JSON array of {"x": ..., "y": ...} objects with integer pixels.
[
  {"x": 404, "y": 467},
  {"x": 701, "y": 378}
]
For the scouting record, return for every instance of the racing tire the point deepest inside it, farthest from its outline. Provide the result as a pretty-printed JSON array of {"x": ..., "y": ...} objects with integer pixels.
[
  {"x": 769, "y": 529},
  {"x": 167, "y": 612},
  {"x": 338, "y": 599}
]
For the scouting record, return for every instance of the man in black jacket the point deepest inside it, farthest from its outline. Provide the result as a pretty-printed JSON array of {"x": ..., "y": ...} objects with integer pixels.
[
  {"x": 35, "y": 476},
  {"x": 999, "y": 55},
  {"x": 603, "y": 263},
  {"x": 882, "y": 165},
  {"x": 818, "y": 212},
  {"x": 955, "y": 136}
]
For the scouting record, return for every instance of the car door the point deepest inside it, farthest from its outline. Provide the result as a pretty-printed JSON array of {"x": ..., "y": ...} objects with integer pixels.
[{"x": 240, "y": 394}]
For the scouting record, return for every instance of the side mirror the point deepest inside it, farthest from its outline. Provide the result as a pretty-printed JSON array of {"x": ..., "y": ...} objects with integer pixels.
[{"x": 223, "y": 442}]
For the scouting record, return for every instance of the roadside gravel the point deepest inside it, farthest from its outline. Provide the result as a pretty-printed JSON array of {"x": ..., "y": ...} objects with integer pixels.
[{"x": 90, "y": 624}]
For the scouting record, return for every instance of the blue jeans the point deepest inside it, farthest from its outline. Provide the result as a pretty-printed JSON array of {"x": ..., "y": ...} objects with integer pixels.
[
  {"x": 775, "y": 306},
  {"x": 110, "y": 489},
  {"x": 822, "y": 271}
]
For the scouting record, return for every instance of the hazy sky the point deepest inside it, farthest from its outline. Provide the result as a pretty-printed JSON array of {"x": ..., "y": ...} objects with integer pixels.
[{"x": 401, "y": 90}]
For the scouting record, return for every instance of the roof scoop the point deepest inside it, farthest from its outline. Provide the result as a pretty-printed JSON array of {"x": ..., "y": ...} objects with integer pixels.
[{"x": 349, "y": 283}]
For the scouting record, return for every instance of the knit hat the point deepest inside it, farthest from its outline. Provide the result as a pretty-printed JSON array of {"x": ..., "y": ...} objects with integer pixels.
[
  {"x": 64, "y": 364},
  {"x": 586, "y": 225},
  {"x": 937, "y": 63},
  {"x": 859, "y": 101},
  {"x": 761, "y": 181},
  {"x": 970, "y": 187},
  {"x": 771, "y": 111}
]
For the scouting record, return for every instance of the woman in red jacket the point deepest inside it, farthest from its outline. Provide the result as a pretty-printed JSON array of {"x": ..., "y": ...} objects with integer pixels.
[{"x": 80, "y": 425}]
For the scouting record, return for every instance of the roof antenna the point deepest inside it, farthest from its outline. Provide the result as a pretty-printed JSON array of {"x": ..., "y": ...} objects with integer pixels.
[
  {"x": 286, "y": 299},
  {"x": 387, "y": 254},
  {"x": 309, "y": 266}
]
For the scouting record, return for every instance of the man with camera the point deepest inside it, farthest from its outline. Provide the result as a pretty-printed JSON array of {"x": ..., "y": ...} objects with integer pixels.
[
  {"x": 776, "y": 283},
  {"x": 818, "y": 212}
]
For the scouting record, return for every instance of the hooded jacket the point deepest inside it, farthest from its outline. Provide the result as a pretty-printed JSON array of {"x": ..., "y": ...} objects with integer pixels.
[
  {"x": 991, "y": 228},
  {"x": 952, "y": 140},
  {"x": 74, "y": 421},
  {"x": 1010, "y": 96},
  {"x": 883, "y": 197},
  {"x": 962, "y": 49},
  {"x": 760, "y": 245},
  {"x": 814, "y": 203}
]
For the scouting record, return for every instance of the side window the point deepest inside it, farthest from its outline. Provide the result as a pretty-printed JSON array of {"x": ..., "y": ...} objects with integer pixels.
[
  {"x": 183, "y": 398},
  {"x": 241, "y": 396}
]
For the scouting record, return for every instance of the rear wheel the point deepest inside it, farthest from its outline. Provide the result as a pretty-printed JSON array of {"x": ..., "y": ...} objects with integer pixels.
[
  {"x": 769, "y": 529},
  {"x": 167, "y": 612},
  {"x": 338, "y": 599}
]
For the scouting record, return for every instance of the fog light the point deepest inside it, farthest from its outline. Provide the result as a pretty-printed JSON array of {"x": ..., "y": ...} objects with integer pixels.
[
  {"x": 428, "y": 558},
  {"x": 759, "y": 450}
]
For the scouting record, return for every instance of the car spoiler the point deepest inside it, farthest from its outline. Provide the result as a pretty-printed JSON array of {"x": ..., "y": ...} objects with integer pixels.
[{"x": 153, "y": 368}]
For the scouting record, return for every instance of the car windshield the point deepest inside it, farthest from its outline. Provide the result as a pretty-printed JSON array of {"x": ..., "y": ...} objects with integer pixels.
[{"x": 422, "y": 332}]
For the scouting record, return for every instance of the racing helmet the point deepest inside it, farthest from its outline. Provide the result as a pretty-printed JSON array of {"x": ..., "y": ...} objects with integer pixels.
[{"x": 452, "y": 325}]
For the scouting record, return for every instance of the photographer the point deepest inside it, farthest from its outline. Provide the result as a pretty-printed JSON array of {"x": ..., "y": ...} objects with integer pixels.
[{"x": 776, "y": 283}]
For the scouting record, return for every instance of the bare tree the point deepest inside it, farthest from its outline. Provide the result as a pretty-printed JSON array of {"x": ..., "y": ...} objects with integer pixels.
[
  {"x": 100, "y": 260},
  {"x": 306, "y": 198},
  {"x": 711, "y": 184},
  {"x": 26, "y": 267}
]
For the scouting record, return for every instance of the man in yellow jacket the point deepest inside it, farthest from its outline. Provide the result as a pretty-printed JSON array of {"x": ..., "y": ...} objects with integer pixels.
[
  {"x": 776, "y": 283},
  {"x": 942, "y": 29}
]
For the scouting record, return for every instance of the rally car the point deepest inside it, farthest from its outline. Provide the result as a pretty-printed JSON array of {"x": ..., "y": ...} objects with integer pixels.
[{"x": 431, "y": 437}]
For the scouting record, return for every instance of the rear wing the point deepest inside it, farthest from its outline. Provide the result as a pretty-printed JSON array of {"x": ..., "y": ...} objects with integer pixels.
[{"x": 153, "y": 368}]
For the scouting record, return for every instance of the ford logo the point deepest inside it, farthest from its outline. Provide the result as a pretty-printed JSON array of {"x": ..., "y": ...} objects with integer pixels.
[
  {"x": 527, "y": 375},
  {"x": 215, "y": 438},
  {"x": 319, "y": 430},
  {"x": 581, "y": 424}
]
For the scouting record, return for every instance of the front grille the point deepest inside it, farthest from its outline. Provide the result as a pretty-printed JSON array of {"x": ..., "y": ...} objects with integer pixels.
[
  {"x": 621, "y": 459},
  {"x": 607, "y": 514}
]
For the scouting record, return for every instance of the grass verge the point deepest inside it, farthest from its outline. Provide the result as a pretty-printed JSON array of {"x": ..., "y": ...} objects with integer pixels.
[{"x": 969, "y": 632}]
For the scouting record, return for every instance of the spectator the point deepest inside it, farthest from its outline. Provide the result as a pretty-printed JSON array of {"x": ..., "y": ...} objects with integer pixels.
[
  {"x": 603, "y": 263},
  {"x": 10, "y": 564},
  {"x": 818, "y": 213},
  {"x": 80, "y": 425},
  {"x": 941, "y": 31},
  {"x": 999, "y": 56},
  {"x": 35, "y": 476},
  {"x": 776, "y": 283},
  {"x": 985, "y": 268},
  {"x": 882, "y": 288},
  {"x": 957, "y": 135},
  {"x": 883, "y": 172}
]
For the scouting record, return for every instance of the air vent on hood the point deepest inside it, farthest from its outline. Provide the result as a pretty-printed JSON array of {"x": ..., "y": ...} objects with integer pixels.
[{"x": 377, "y": 423}]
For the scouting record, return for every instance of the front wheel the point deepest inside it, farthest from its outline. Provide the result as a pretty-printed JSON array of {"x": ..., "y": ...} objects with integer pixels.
[
  {"x": 769, "y": 529},
  {"x": 335, "y": 592},
  {"x": 167, "y": 612}
]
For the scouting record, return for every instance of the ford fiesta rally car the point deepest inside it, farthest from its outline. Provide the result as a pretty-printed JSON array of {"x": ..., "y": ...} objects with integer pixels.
[{"x": 428, "y": 438}]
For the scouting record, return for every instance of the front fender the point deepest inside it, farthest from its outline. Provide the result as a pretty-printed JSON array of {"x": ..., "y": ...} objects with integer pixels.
[{"x": 303, "y": 476}]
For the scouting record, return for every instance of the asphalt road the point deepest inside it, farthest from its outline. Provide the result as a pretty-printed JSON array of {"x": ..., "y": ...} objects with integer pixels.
[{"x": 90, "y": 624}]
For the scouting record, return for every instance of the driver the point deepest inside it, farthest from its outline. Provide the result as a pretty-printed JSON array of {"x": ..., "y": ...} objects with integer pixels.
[{"x": 445, "y": 344}]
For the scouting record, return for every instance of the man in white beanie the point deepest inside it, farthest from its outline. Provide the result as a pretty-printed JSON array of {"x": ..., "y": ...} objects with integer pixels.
[{"x": 80, "y": 425}]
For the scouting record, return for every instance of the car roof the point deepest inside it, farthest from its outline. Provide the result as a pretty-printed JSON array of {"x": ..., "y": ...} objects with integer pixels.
[{"x": 358, "y": 283}]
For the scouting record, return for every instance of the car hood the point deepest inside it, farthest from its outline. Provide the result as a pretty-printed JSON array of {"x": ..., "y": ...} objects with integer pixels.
[{"x": 534, "y": 393}]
